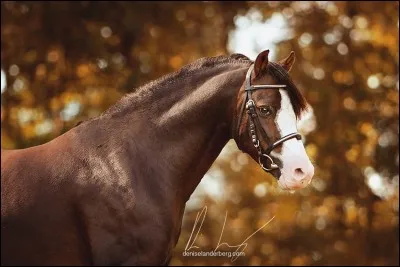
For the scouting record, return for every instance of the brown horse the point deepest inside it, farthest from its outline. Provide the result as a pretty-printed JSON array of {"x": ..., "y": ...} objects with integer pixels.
[{"x": 112, "y": 190}]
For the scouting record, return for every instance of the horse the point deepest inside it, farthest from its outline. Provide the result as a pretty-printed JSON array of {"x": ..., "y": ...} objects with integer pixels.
[{"x": 112, "y": 190}]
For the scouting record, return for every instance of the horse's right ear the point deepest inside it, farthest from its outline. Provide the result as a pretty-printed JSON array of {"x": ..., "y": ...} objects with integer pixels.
[{"x": 261, "y": 62}]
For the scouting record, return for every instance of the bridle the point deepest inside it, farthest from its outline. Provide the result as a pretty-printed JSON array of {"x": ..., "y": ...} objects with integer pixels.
[{"x": 255, "y": 123}]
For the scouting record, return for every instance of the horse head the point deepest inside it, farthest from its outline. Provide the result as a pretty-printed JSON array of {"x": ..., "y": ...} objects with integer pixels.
[{"x": 268, "y": 108}]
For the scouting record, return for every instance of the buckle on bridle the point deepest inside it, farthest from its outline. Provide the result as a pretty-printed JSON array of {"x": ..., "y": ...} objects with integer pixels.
[
  {"x": 272, "y": 164},
  {"x": 250, "y": 107}
]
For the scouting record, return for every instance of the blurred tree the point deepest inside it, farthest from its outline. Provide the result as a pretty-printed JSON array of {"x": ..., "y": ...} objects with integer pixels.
[
  {"x": 347, "y": 66},
  {"x": 67, "y": 61}
]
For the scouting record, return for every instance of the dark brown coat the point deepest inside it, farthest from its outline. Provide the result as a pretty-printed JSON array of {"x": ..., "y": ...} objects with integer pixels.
[{"x": 112, "y": 190}]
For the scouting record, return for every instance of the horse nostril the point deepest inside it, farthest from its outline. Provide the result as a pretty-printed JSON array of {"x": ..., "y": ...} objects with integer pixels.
[{"x": 299, "y": 172}]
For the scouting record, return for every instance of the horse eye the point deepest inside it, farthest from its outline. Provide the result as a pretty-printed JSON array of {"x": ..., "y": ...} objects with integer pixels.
[{"x": 266, "y": 111}]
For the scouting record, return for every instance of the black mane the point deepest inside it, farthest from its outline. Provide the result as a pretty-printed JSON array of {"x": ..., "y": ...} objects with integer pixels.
[
  {"x": 276, "y": 70},
  {"x": 297, "y": 99}
]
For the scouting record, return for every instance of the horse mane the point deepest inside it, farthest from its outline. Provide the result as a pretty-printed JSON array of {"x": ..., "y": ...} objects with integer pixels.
[
  {"x": 201, "y": 63},
  {"x": 297, "y": 99},
  {"x": 276, "y": 70},
  {"x": 182, "y": 73}
]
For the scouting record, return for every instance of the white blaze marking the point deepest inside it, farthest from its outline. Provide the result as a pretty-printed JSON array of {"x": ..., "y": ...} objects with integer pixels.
[
  {"x": 293, "y": 154},
  {"x": 286, "y": 123},
  {"x": 286, "y": 119}
]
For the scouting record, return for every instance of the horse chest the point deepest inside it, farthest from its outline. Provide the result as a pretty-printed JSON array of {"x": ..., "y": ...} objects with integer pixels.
[
  {"x": 128, "y": 225},
  {"x": 136, "y": 236}
]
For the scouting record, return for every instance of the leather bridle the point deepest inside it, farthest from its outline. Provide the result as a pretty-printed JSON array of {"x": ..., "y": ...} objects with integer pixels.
[{"x": 255, "y": 123}]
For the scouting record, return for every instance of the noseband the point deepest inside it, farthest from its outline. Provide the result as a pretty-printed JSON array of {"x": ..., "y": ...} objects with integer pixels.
[{"x": 255, "y": 123}]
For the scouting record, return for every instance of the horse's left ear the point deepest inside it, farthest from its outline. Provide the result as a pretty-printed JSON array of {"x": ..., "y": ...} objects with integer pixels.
[{"x": 287, "y": 63}]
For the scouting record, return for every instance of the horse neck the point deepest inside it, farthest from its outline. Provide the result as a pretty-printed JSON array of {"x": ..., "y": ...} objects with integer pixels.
[{"x": 181, "y": 126}]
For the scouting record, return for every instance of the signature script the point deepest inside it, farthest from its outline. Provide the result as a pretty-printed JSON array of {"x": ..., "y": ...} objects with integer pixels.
[{"x": 195, "y": 231}]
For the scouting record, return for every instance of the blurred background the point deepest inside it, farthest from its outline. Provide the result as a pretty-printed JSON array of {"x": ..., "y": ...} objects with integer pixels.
[{"x": 62, "y": 62}]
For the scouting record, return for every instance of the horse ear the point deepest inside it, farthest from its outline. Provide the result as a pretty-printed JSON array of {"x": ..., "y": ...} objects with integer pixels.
[
  {"x": 261, "y": 62},
  {"x": 287, "y": 63}
]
